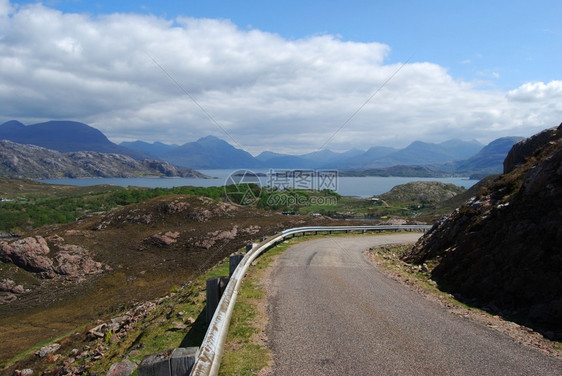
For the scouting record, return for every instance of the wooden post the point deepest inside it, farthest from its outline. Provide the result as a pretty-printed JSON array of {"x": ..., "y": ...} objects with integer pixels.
[
  {"x": 215, "y": 288},
  {"x": 234, "y": 260}
]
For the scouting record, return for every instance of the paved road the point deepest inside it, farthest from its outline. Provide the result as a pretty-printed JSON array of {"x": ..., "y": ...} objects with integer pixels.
[{"x": 333, "y": 313}]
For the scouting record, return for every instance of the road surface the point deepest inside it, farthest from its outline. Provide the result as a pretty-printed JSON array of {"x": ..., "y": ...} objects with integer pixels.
[{"x": 331, "y": 312}]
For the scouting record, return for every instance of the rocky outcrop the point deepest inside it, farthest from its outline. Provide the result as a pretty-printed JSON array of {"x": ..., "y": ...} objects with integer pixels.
[
  {"x": 9, "y": 290},
  {"x": 75, "y": 261},
  {"x": 501, "y": 250},
  {"x": 7, "y": 285},
  {"x": 165, "y": 239},
  {"x": 28, "y": 253},
  {"x": 529, "y": 146},
  {"x": 212, "y": 237},
  {"x": 34, "y": 162},
  {"x": 34, "y": 255}
]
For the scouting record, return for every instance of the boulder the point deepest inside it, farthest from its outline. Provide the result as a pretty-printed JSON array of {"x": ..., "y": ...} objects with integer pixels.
[
  {"x": 123, "y": 368},
  {"x": 7, "y": 285},
  {"x": 75, "y": 261},
  {"x": 46, "y": 350},
  {"x": 29, "y": 253}
]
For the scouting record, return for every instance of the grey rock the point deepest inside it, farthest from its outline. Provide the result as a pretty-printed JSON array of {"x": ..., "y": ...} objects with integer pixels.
[
  {"x": 46, "y": 350},
  {"x": 123, "y": 368}
]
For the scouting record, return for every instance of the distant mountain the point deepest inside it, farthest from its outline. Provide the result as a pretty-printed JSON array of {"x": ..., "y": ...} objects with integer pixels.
[
  {"x": 420, "y": 158},
  {"x": 428, "y": 153},
  {"x": 35, "y": 162},
  {"x": 63, "y": 136},
  {"x": 156, "y": 148},
  {"x": 210, "y": 153},
  {"x": 290, "y": 162},
  {"x": 489, "y": 160},
  {"x": 404, "y": 171},
  {"x": 367, "y": 159},
  {"x": 319, "y": 159},
  {"x": 267, "y": 155}
]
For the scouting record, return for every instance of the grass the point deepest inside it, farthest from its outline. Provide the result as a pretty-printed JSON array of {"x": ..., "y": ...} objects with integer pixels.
[{"x": 245, "y": 354}]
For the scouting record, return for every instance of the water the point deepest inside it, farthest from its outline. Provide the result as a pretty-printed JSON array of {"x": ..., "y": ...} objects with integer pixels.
[{"x": 346, "y": 186}]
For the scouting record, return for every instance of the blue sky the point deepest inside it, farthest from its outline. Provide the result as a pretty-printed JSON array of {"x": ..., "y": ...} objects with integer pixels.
[
  {"x": 505, "y": 42},
  {"x": 476, "y": 69}
]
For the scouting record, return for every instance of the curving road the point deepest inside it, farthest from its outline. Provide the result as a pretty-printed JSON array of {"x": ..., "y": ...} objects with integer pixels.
[{"x": 333, "y": 313}]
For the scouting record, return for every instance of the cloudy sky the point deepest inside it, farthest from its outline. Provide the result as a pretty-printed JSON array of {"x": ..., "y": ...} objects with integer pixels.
[{"x": 286, "y": 76}]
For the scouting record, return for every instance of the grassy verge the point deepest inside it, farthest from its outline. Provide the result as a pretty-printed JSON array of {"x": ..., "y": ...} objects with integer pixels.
[{"x": 245, "y": 352}]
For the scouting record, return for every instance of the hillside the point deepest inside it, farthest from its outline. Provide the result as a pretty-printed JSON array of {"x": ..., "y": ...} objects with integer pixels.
[
  {"x": 103, "y": 263},
  {"x": 34, "y": 162},
  {"x": 501, "y": 250}
]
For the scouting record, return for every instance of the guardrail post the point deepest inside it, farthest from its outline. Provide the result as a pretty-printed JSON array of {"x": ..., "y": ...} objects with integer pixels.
[
  {"x": 234, "y": 260},
  {"x": 176, "y": 362},
  {"x": 215, "y": 288},
  {"x": 249, "y": 247}
]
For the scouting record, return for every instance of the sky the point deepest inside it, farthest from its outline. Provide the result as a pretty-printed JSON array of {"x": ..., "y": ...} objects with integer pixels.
[{"x": 285, "y": 76}]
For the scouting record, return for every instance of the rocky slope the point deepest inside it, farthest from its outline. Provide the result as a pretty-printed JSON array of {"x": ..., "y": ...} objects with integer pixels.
[
  {"x": 502, "y": 250},
  {"x": 34, "y": 162}
]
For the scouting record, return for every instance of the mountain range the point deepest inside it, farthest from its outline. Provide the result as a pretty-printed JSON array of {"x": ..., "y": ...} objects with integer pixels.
[{"x": 449, "y": 157}]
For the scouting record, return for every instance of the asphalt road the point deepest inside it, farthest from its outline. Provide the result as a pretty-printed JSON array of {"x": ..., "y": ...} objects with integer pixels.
[{"x": 332, "y": 312}]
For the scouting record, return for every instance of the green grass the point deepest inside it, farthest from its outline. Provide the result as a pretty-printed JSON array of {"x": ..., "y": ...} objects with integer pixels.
[{"x": 243, "y": 354}]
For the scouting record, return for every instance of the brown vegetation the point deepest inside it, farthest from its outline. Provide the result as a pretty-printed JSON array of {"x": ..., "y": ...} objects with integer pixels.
[{"x": 143, "y": 250}]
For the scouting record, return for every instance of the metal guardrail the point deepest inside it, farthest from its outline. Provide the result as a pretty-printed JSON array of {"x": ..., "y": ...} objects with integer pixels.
[{"x": 211, "y": 350}]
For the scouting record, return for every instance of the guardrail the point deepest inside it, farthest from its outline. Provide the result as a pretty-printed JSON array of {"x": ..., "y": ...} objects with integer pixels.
[{"x": 211, "y": 350}]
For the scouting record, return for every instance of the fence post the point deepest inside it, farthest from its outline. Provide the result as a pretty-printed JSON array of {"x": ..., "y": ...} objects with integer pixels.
[
  {"x": 234, "y": 260},
  {"x": 215, "y": 288}
]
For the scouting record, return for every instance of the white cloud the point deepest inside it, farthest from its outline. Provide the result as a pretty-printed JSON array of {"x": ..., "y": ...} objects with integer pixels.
[
  {"x": 267, "y": 92},
  {"x": 537, "y": 92}
]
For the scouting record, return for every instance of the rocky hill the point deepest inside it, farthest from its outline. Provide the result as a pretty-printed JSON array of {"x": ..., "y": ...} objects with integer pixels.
[
  {"x": 59, "y": 277},
  {"x": 34, "y": 162},
  {"x": 502, "y": 249},
  {"x": 423, "y": 192}
]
